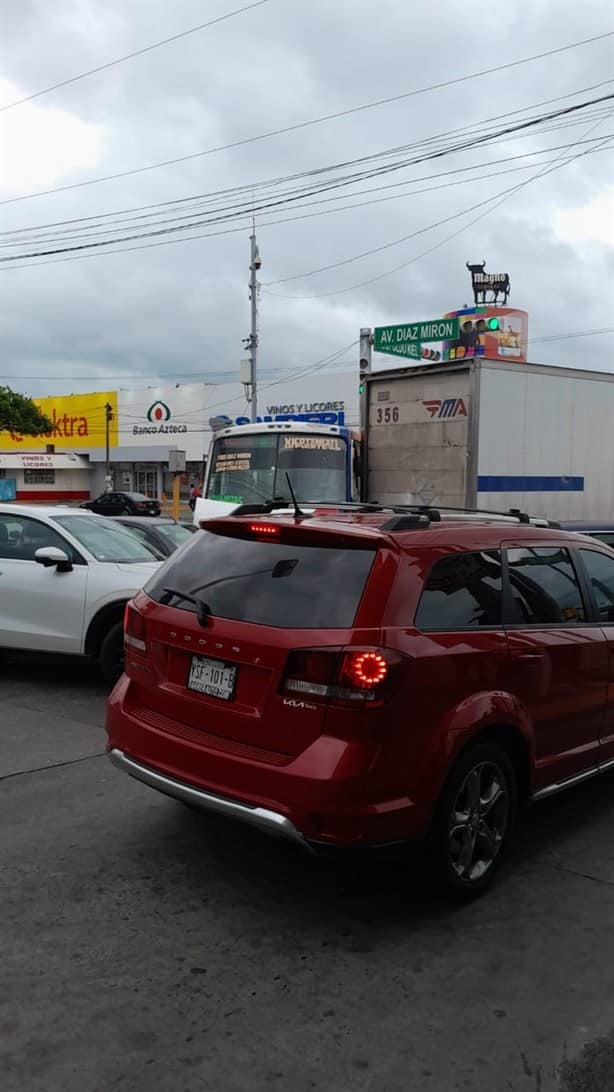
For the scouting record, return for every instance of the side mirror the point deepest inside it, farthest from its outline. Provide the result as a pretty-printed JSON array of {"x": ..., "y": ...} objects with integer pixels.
[{"x": 50, "y": 556}]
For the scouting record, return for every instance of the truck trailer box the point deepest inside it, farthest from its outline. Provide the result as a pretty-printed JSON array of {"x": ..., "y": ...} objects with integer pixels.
[{"x": 492, "y": 434}]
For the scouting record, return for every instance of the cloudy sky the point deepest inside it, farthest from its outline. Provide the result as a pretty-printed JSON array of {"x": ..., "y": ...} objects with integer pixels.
[{"x": 180, "y": 309}]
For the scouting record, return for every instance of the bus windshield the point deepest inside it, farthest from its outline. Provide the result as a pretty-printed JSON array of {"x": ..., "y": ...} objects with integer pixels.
[{"x": 252, "y": 469}]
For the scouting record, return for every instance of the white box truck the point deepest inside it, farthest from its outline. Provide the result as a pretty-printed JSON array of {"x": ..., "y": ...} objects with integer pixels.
[{"x": 493, "y": 435}]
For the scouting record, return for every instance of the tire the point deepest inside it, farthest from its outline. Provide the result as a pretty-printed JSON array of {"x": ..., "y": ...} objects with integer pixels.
[
  {"x": 465, "y": 853},
  {"x": 111, "y": 655}
]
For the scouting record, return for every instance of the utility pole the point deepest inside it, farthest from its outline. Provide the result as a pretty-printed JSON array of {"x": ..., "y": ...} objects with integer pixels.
[
  {"x": 252, "y": 341},
  {"x": 108, "y": 417},
  {"x": 365, "y": 362}
]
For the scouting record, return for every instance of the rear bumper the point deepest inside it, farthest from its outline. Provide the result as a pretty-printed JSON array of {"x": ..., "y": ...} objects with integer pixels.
[
  {"x": 269, "y": 821},
  {"x": 338, "y": 792}
]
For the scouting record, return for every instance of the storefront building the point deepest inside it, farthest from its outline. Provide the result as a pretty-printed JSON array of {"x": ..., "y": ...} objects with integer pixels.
[
  {"x": 144, "y": 426},
  {"x": 38, "y": 477}
]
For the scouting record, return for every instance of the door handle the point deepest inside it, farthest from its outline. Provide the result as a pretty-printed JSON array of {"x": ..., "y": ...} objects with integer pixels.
[{"x": 530, "y": 657}]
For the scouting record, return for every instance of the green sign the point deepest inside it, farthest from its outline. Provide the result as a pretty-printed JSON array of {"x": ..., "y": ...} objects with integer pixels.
[
  {"x": 406, "y": 340},
  {"x": 411, "y": 349}
]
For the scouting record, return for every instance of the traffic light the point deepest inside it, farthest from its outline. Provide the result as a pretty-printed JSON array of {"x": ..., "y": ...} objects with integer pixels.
[
  {"x": 363, "y": 372},
  {"x": 431, "y": 354},
  {"x": 492, "y": 323}
]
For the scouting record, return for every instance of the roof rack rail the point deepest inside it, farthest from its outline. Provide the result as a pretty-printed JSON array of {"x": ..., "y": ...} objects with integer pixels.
[{"x": 433, "y": 513}]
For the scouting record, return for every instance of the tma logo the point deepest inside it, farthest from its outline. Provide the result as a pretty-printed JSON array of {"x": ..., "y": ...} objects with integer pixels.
[
  {"x": 158, "y": 412},
  {"x": 445, "y": 407}
]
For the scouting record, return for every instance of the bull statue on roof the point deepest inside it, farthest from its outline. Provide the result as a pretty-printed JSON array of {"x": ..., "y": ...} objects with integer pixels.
[{"x": 497, "y": 284}]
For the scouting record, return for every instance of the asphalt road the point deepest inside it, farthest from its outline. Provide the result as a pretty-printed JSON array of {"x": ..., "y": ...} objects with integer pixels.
[{"x": 146, "y": 947}]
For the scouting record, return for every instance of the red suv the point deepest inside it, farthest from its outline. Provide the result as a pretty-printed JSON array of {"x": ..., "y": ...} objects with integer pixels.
[{"x": 371, "y": 677}]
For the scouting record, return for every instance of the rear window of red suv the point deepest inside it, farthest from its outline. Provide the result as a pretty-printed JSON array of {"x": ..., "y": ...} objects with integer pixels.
[{"x": 267, "y": 583}]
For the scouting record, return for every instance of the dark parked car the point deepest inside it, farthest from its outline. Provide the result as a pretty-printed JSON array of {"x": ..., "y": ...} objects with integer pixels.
[
  {"x": 160, "y": 534},
  {"x": 369, "y": 678},
  {"x": 601, "y": 529},
  {"x": 120, "y": 504}
]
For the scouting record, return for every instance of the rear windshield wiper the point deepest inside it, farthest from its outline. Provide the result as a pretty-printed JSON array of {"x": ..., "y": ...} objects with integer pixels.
[{"x": 203, "y": 610}]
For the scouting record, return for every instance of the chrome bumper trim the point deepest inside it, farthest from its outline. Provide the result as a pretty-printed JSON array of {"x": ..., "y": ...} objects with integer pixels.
[{"x": 270, "y": 821}]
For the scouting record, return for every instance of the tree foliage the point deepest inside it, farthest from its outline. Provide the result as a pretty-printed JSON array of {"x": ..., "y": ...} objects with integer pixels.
[{"x": 20, "y": 415}]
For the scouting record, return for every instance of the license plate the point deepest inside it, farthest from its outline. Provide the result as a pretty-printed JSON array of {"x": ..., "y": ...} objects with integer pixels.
[{"x": 213, "y": 677}]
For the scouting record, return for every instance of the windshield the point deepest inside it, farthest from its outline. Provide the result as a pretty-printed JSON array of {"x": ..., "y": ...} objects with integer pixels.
[
  {"x": 252, "y": 469},
  {"x": 105, "y": 541}
]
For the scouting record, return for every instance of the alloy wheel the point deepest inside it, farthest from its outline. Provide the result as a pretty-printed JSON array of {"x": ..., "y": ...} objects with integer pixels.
[{"x": 478, "y": 821}]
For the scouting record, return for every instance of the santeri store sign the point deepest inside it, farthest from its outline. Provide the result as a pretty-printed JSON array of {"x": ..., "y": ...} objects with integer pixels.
[{"x": 179, "y": 415}]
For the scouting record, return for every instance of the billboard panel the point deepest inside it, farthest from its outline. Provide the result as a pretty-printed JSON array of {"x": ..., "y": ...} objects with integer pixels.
[
  {"x": 78, "y": 420},
  {"x": 498, "y": 333},
  {"x": 180, "y": 415}
]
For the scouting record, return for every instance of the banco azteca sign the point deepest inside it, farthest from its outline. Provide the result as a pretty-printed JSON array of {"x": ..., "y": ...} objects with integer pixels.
[{"x": 158, "y": 417}]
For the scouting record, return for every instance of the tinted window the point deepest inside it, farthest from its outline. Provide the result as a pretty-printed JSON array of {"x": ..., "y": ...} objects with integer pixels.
[
  {"x": 544, "y": 587},
  {"x": 21, "y": 537},
  {"x": 270, "y": 583},
  {"x": 600, "y": 571},
  {"x": 462, "y": 591},
  {"x": 603, "y": 536}
]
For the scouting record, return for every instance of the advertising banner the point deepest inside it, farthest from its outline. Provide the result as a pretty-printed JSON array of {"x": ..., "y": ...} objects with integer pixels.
[
  {"x": 498, "y": 333},
  {"x": 78, "y": 423},
  {"x": 180, "y": 416}
]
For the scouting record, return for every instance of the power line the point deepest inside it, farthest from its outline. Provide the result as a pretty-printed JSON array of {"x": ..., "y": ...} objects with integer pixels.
[
  {"x": 319, "y": 365},
  {"x": 503, "y": 195},
  {"x": 314, "y": 121},
  {"x": 241, "y": 228},
  {"x": 404, "y": 238},
  {"x": 135, "y": 53},
  {"x": 297, "y": 196},
  {"x": 359, "y": 204},
  {"x": 248, "y": 188},
  {"x": 573, "y": 334},
  {"x": 309, "y": 369},
  {"x": 436, "y": 154}
]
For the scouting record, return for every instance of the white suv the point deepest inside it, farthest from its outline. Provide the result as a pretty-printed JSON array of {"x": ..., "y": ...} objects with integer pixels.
[{"x": 65, "y": 578}]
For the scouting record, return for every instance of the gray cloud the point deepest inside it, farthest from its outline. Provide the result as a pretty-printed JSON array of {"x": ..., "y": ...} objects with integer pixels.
[{"x": 183, "y": 307}]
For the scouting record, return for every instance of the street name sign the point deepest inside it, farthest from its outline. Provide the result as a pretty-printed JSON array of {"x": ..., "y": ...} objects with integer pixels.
[
  {"x": 406, "y": 339},
  {"x": 411, "y": 349}
]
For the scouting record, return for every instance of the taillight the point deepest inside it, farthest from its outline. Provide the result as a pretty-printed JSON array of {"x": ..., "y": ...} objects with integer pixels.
[
  {"x": 343, "y": 674},
  {"x": 134, "y": 628},
  {"x": 365, "y": 670}
]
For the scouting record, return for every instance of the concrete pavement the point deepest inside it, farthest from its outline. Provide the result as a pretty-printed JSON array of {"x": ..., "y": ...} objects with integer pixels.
[{"x": 148, "y": 947}]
